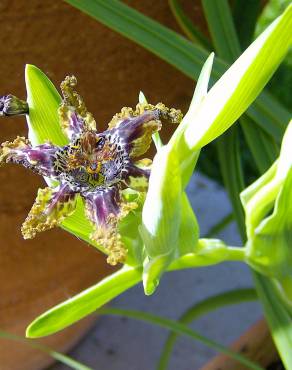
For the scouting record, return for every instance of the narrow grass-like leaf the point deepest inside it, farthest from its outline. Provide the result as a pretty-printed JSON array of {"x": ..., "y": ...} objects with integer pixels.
[
  {"x": 187, "y": 25},
  {"x": 177, "y": 51},
  {"x": 221, "y": 27},
  {"x": 245, "y": 14},
  {"x": 262, "y": 146},
  {"x": 202, "y": 308},
  {"x": 219, "y": 226},
  {"x": 84, "y": 303},
  {"x": 278, "y": 317},
  {"x": 66, "y": 360},
  {"x": 182, "y": 330},
  {"x": 231, "y": 170}
]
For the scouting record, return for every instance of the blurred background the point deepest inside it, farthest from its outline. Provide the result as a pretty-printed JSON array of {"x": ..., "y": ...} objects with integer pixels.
[{"x": 37, "y": 274}]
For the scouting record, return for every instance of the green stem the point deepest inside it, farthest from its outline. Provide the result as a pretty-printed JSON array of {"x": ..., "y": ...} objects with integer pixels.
[{"x": 209, "y": 252}]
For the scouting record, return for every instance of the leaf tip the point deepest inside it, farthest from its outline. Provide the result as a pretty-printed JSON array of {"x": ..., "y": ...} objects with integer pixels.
[
  {"x": 142, "y": 98},
  {"x": 30, "y": 68},
  {"x": 30, "y": 332}
]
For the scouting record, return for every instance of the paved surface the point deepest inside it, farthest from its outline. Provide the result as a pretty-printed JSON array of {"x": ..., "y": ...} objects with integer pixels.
[{"x": 123, "y": 344}]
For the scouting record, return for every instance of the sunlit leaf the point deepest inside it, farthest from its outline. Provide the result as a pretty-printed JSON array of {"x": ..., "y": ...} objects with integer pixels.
[
  {"x": 240, "y": 85},
  {"x": 83, "y": 303}
]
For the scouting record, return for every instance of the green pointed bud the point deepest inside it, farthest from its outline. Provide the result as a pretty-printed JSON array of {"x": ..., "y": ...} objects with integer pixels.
[
  {"x": 161, "y": 215},
  {"x": 170, "y": 229},
  {"x": 10, "y": 105},
  {"x": 268, "y": 208}
]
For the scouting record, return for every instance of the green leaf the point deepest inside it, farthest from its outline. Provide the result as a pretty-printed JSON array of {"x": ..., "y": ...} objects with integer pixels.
[
  {"x": 84, "y": 303},
  {"x": 202, "y": 308},
  {"x": 182, "y": 330},
  {"x": 221, "y": 27},
  {"x": 66, "y": 360},
  {"x": 187, "y": 25},
  {"x": 278, "y": 317},
  {"x": 43, "y": 100},
  {"x": 245, "y": 14},
  {"x": 240, "y": 85},
  {"x": 263, "y": 147},
  {"x": 178, "y": 52}
]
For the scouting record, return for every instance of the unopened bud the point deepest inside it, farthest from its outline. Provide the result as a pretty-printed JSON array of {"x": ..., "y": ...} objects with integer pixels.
[{"x": 10, "y": 105}]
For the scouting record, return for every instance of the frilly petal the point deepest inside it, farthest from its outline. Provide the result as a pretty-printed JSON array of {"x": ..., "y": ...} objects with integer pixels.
[
  {"x": 137, "y": 175},
  {"x": 51, "y": 207},
  {"x": 105, "y": 208},
  {"x": 39, "y": 158},
  {"x": 136, "y": 127},
  {"x": 74, "y": 117}
]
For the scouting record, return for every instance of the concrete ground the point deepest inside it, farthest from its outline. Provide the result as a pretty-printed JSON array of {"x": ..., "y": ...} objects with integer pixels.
[{"x": 117, "y": 343}]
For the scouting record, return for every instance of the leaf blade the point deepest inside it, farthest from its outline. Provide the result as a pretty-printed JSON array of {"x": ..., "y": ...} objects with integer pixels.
[{"x": 84, "y": 303}]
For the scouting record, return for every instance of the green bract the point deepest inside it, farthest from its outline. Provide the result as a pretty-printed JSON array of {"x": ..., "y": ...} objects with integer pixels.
[
  {"x": 268, "y": 208},
  {"x": 169, "y": 232},
  {"x": 165, "y": 238}
]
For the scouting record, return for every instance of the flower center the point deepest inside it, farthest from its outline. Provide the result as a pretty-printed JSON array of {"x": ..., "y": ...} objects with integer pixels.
[{"x": 90, "y": 161}]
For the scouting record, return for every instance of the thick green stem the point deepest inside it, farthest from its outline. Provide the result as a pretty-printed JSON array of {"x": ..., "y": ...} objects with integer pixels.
[{"x": 209, "y": 252}]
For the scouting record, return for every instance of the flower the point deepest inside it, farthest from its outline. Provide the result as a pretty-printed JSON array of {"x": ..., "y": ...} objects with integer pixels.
[{"x": 96, "y": 166}]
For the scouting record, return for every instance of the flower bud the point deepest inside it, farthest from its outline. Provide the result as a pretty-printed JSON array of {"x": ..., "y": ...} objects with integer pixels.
[{"x": 10, "y": 105}]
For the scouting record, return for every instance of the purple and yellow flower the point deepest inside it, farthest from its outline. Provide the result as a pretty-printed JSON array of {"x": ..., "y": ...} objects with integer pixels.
[{"x": 96, "y": 166}]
